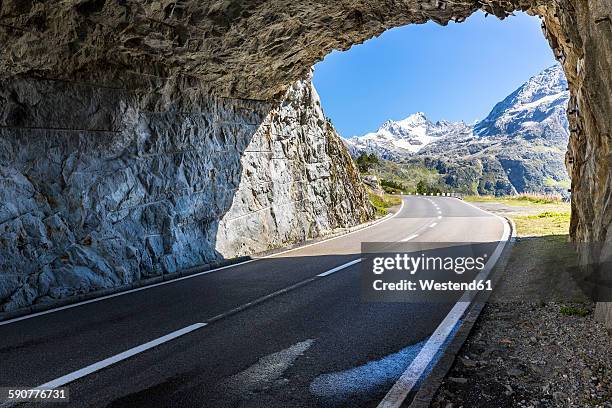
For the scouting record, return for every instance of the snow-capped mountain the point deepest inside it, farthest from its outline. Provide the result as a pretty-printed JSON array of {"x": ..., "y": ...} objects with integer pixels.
[
  {"x": 406, "y": 136},
  {"x": 520, "y": 146},
  {"x": 536, "y": 109}
]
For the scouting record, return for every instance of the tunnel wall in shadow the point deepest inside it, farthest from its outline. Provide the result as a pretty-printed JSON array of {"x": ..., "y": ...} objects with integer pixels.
[{"x": 102, "y": 186}]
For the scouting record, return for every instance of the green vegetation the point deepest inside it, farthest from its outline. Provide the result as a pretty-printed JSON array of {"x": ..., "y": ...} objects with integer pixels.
[
  {"x": 430, "y": 176},
  {"x": 545, "y": 223},
  {"x": 549, "y": 214},
  {"x": 396, "y": 177},
  {"x": 574, "y": 311},
  {"x": 392, "y": 187},
  {"x": 518, "y": 200},
  {"x": 366, "y": 161},
  {"x": 382, "y": 202},
  {"x": 540, "y": 198},
  {"x": 423, "y": 188},
  {"x": 552, "y": 183},
  {"x": 535, "y": 215}
]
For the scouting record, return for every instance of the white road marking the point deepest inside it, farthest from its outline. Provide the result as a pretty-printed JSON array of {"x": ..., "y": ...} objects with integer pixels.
[
  {"x": 126, "y": 292},
  {"x": 263, "y": 374},
  {"x": 409, "y": 238},
  {"x": 85, "y": 302},
  {"x": 433, "y": 225},
  {"x": 439, "y": 217},
  {"x": 61, "y": 381},
  {"x": 75, "y": 375},
  {"x": 397, "y": 394},
  {"x": 339, "y": 268}
]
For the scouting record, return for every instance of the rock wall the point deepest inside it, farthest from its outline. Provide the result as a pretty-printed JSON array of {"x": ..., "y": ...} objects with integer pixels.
[
  {"x": 247, "y": 49},
  {"x": 298, "y": 180},
  {"x": 101, "y": 186},
  {"x": 580, "y": 33},
  {"x": 257, "y": 49}
]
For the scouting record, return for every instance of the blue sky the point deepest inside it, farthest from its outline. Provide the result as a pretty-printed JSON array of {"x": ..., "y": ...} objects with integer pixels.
[{"x": 458, "y": 72}]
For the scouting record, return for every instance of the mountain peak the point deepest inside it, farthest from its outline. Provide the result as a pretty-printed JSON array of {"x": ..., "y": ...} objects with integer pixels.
[
  {"x": 415, "y": 118},
  {"x": 407, "y": 136},
  {"x": 534, "y": 110},
  {"x": 542, "y": 99}
]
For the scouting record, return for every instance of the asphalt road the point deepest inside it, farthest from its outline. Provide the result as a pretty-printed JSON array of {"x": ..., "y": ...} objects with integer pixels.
[{"x": 308, "y": 341}]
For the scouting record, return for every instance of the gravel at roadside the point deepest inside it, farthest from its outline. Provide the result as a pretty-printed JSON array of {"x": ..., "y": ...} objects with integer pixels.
[{"x": 533, "y": 346}]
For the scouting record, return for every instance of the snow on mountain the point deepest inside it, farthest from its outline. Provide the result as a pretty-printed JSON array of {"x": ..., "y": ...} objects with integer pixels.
[
  {"x": 536, "y": 109},
  {"x": 406, "y": 136},
  {"x": 520, "y": 146}
]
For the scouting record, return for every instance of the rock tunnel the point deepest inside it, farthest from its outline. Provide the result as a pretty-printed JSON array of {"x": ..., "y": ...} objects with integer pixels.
[{"x": 123, "y": 98}]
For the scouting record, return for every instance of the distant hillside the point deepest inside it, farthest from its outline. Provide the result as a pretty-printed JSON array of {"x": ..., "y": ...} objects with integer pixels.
[{"x": 519, "y": 147}]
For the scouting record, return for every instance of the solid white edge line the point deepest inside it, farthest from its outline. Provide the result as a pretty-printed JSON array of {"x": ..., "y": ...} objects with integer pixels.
[
  {"x": 127, "y": 292},
  {"x": 75, "y": 375},
  {"x": 400, "y": 390},
  {"x": 154, "y": 285},
  {"x": 382, "y": 220},
  {"x": 339, "y": 268},
  {"x": 90, "y": 369}
]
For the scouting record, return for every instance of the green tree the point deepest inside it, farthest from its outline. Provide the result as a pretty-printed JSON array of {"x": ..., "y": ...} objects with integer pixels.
[
  {"x": 366, "y": 161},
  {"x": 421, "y": 187}
]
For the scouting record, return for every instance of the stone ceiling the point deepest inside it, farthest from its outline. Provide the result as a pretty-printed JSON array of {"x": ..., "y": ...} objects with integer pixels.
[{"x": 247, "y": 49}]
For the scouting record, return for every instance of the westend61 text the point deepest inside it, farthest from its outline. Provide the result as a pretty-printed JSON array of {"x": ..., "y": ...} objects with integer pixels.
[{"x": 431, "y": 285}]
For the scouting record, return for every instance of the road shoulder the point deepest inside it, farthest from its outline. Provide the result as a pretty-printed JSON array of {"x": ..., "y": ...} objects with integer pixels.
[{"x": 535, "y": 343}]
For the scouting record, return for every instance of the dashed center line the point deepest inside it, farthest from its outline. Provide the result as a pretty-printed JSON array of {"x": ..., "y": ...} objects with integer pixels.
[
  {"x": 433, "y": 225},
  {"x": 92, "y": 368},
  {"x": 339, "y": 268},
  {"x": 75, "y": 375}
]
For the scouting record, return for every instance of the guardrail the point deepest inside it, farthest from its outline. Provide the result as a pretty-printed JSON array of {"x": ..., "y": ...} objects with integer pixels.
[{"x": 456, "y": 195}]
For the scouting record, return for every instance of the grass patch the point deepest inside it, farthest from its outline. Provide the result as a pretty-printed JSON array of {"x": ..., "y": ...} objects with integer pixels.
[
  {"x": 550, "y": 214},
  {"x": 382, "y": 202},
  {"x": 540, "y": 198},
  {"x": 520, "y": 199},
  {"x": 574, "y": 311},
  {"x": 545, "y": 223}
]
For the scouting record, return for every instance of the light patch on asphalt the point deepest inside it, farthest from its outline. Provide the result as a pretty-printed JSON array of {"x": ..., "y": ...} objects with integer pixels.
[
  {"x": 364, "y": 379},
  {"x": 266, "y": 372},
  {"x": 410, "y": 237}
]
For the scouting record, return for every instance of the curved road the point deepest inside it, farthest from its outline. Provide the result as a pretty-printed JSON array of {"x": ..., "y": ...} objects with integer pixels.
[{"x": 288, "y": 330}]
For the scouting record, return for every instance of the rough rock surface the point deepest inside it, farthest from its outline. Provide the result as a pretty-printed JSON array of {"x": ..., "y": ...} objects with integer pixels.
[
  {"x": 249, "y": 49},
  {"x": 256, "y": 49},
  {"x": 101, "y": 187},
  {"x": 298, "y": 180}
]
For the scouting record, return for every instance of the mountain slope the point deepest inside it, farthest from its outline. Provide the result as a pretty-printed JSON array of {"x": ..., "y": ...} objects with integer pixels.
[
  {"x": 520, "y": 146},
  {"x": 535, "y": 110}
]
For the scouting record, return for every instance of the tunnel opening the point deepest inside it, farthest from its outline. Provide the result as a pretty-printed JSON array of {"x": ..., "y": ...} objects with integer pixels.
[
  {"x": 239, "y": 60},
  {"x": 473, "y": 117}
]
